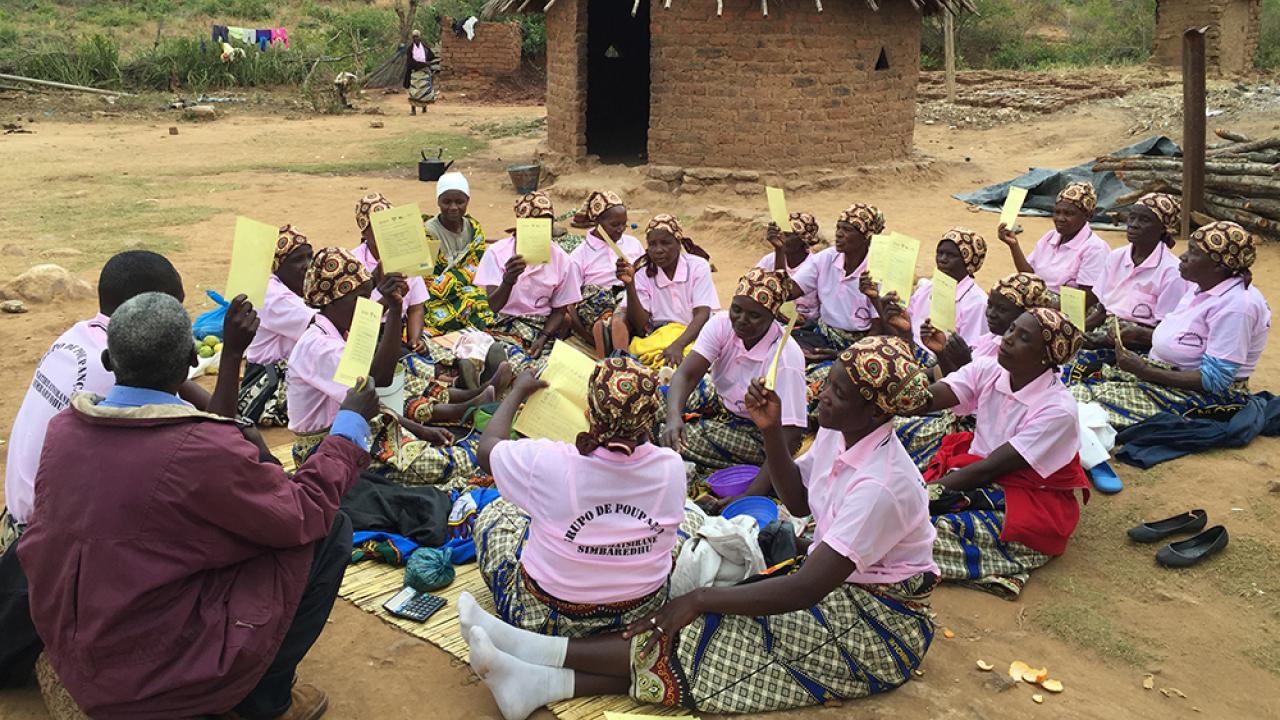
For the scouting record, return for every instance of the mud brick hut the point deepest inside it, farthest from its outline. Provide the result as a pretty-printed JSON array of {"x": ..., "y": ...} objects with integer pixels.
[
  {"x": 733, "y": 83},
  {"x": 1230, "y": 43}
]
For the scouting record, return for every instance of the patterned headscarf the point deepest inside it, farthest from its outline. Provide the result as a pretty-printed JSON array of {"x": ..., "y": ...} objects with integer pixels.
[
  {"x": 598, "y": 203},
  {"x": 1227, "y": 244},
  {"x": 805, "y": 225},
  {"x": 885, "y": 371},
  {"x": 368, "y": 205},
  {"x": 770, "y": 289},
  {"x": 1062, "y": 340},
  {"x": 334, "y": 273},
  {"x": 867, "y": 218},
  {"x": 535, "y": 205},
  {"x": 623, "y": 404},
  {"x": 291, "y": 238},
  {"x": 1167, "y": 210},
  {"x": 973, "y": 248},
  {"x": 1080, "y": 194},
  {"x": 670, "y": 224},
  {"x": 1022, "y": 289}
]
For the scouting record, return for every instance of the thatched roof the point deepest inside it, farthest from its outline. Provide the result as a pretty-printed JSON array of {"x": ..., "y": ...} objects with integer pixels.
[{"x": 493, "y": 7}]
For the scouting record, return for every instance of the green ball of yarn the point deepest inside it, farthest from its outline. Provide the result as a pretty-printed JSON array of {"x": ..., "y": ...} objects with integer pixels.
[{"x": 429, "y": 569}]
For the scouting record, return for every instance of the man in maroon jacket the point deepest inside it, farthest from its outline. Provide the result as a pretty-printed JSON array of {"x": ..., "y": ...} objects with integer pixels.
[{"x": 173, "y": 572}]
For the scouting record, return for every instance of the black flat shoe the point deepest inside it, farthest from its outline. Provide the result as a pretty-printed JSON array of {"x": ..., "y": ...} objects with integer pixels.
[
  {"x": 1184, "y": 524},
  {"x": 1190, "y": 552}
]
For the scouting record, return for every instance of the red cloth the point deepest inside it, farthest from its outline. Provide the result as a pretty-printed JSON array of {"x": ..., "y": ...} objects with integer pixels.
[
  {"x": 1040, "y": 512},
  {"x": 166, "y": 562}
]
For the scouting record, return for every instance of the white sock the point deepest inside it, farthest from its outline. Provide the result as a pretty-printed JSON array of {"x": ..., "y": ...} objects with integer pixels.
[
  {"x": 518, "y": 687},
  {"x": 527, "y": 646}
]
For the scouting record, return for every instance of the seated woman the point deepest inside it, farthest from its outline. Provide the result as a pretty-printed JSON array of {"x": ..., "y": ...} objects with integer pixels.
[
  {"x": 1004, "y": 495},
  {"x": 405, "y": 450},
  {"x": 583, "y": 540},
  {"x": 282, "y": 319},
  {"x": 412, "y": 308},
  {"x": 597, "y": 265},
  {"x": 1008, "y": 300},
  {"x": 792, "y": 250},
  {"x": 668, "y": 304},
  {"x": 530, "y": 301},
  {"x": 1070, "y": 254},
  {"x": 1139, "y": 285},
  {"x": 1203, "y": 352},
  {"x": 454, "y": 302},
  {"x": 959, "y": 255},
  {"x": 735, "y": 346},
  {"x": 852, "y": 621}
]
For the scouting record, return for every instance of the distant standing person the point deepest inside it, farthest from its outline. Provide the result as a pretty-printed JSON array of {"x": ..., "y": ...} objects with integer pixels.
[{"x": 417, "y": 74}]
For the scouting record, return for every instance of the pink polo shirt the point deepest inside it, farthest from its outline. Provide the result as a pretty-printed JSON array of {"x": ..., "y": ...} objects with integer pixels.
[
  {"x": 282, "y": 319},
  {"x": 1077, "y": 262},
  {"x": 1230, "y": 322},
  {"x": 72, "y": 364},
  {"x": 540, "y": 288},
  {"x": 597, "y": 263},
  {"x": 807, "y": 304},
  {"x": 1039, "y": 420},
  {"x": 986, "y": 345},
  {"x": 1142, "y": 294},
  {"x": 672, "y": 299},
  {"x": 314, "y": 397},
  {"x": 971, "y": 310},
  {"x": 417, "y": 294},
  {"x": 870, "y": 505},
  {"x": 601, "y": 526},
  {"x": 733, "y": 367},
  {"x": 842, "y": 304}
]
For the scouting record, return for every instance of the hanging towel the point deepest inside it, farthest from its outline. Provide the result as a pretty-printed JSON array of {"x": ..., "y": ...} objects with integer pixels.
[
  {"x": 280, "y": 35},
  {"x": 263, "y": 38},
  {"x": 248, "y": 36},
  {"x": 220, "y": 34},
  {"x": 470, "y": 27},
  {"x": 234, "y": 33}
]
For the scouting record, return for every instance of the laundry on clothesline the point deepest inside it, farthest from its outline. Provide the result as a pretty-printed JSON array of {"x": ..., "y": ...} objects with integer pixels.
[{"x": 262, "y": 37}]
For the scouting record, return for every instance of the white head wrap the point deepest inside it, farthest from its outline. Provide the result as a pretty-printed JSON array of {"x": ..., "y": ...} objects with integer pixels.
[{"x": 452, "y": 181}]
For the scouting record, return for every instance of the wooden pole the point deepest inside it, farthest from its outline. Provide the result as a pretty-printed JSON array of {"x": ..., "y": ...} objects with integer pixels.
[
  {"x": 1193, "y": 126},
  {"x": 64, "y": 86},
  {"x": 949, "y": 45}
]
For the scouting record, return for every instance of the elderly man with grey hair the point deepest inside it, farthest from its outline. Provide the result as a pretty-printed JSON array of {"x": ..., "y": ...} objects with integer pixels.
[{"x": 174, "y": 573}]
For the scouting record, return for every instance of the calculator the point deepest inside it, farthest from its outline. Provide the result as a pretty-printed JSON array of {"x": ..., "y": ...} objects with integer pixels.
[{"x": 414, "y": 605}]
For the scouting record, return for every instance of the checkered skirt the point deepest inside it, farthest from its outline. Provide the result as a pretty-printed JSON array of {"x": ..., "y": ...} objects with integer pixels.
[{"x": 969, "y": 550}]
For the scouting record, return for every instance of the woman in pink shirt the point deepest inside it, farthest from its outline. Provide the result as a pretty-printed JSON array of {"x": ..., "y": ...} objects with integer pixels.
[
  {"x": 283, "y": 317},
  {"x": 670, "y": 287},
  {"x": 1008, "y": 300},
  {"x": 1203, "y": 352},
  {"x": 597, "y": 264},
  {"x": 850, "y": 620},
  {"x": 407, "y": 451},
  {"x": 1004, "y": 494},
  {"x": 583, "y": 538},
  {"x": 413, "y": 307},
  {"x": 736, "y": 347},
  {"x": 792, "y": 249},
  {"x": 530, "y": 301},
  {"x": 1070, "y": 254},
  {"x": 959, "y": 255}
]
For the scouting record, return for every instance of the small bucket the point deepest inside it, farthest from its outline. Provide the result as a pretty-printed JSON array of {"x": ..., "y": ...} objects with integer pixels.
[{"x": 525, "y": 177}]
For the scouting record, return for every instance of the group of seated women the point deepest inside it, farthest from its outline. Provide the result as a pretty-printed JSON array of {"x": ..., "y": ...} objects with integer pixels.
[{"x": 934, "y": 456}]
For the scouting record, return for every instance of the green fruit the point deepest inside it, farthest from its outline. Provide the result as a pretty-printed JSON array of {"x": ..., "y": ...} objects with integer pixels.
[
  {"x": 205, "y": 351},
  {"x": 211, "y": 340},
  {"x": 217, "y": 348}
]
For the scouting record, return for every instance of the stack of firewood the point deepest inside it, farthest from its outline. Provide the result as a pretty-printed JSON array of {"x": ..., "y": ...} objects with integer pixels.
[{"x": 1242, "y": 181}]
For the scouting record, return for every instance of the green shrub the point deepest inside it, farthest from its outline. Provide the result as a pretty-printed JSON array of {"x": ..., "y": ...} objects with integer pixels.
[{"x": 1268, "y": 56}]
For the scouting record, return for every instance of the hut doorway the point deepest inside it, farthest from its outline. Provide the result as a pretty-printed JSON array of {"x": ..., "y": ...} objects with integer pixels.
[{"x": 618, "y": 81}]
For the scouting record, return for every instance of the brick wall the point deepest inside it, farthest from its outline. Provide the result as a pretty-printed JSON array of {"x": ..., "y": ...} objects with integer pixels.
[
  {"x": 495, "y": 51},
  {"x": 1230, "y": 42},
  {"x": 797, "y": 88}
]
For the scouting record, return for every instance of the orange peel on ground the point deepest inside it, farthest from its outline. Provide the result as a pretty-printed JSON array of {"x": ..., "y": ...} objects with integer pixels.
[
  {"x": 1053, "y": 686},
  {"x": 1037, "y": 698},
  {"x": 1019, "y": 669},
  {"x": 985, "y": 666},
  {"x": 1035, "y": 676},
  {"x": 948, "y": 633}
]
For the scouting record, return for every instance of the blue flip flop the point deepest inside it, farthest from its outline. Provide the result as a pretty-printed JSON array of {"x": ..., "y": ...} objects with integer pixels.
[{"x": 1105, "y": 479}]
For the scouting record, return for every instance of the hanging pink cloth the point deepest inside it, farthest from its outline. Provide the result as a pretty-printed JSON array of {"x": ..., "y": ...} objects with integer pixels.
[{"x": 280, "y": 35}]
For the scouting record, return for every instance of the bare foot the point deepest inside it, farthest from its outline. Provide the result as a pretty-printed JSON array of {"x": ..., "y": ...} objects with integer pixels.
[{"x": 501, "y": 381}]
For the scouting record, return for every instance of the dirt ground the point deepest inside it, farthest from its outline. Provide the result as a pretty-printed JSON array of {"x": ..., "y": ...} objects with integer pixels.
[{"x": 1099, "y": 617}]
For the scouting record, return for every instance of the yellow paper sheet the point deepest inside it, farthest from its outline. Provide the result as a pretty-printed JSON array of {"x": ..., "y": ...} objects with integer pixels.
[
  {"x": 533, "y": 240},
  {"x": 1013, "y": 205},
  {"x": 252, "y": 251},
  {"x": 892, "y": 263},
  {"x": 942, "y": 310},
  {"x": 403, "y": 246},
  {"x": 558, "y": 411},
  {"x": 1073, "y": 306},
  {"x": 771, "y": 379},
  {"x": 609, "y": 715},
  {"x": 362, "y": 341},
  {"x": 600, "y": 233},
  {"x": 778, "y": 208}
]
